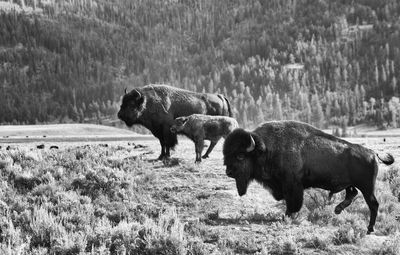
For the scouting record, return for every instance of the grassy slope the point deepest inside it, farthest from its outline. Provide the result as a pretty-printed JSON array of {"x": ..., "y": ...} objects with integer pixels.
[{"x": 117, "y": 198}]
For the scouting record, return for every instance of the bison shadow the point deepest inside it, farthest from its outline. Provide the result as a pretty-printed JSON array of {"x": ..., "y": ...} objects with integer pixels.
[
  {"x": 170, "y": 162},
  {"x": 251, "y": 219}
]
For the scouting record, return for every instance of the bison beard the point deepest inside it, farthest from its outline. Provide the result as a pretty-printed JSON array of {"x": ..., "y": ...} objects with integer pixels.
[
  {"x": 287, "y": 157},
  {"x": 243, "y": 179}
]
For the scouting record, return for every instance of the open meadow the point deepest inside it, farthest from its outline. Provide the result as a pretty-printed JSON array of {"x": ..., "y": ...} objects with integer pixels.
[{"x": 113, "y": 197}]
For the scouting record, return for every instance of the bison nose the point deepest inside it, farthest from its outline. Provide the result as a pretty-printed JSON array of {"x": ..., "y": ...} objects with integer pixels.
[{"x": 229, "y": 172}]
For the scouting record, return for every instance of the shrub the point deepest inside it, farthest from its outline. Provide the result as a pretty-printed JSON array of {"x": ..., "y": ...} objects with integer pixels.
[
  {"x": 318, "y": 205},
  {"x": 348, "y": 234},
  {"x": 163, "y": 237},
  {"x": 44, "y": 228},
  {"x": 124, "y": 237},
  {"x": 389, "y": 247},
  {"x": 317, "y": 242},
  {"x": 12, "y": 239},
  {"x": 392, "y": 175},
  {"x": 240, "y": 244},
  {"x": 320, "y": 215},
  {"x": 286, "y": 246},
  {"x": 197, "y": 248},
  {"x": 69, "y": 243},
  {"x": 388, "y": 224}
]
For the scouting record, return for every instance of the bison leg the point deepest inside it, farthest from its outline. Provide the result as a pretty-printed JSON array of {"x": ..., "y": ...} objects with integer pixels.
[
  {"x": 168, "y": 141},
  {"x": 162, "y": 143},
  {"x": 373, "y": 208},
  {"x": 199, "y": 145},
  {"x": 351, "y": 192},
  {"x": 210, "y": 148},
  {"x": 167, "y": 152},
  {"x": 293, "y": 193},
  {"x": 163, "y": 150}
]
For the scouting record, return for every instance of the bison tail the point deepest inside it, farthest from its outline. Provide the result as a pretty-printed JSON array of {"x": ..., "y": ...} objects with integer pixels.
[{"x": 387, "y": 159}]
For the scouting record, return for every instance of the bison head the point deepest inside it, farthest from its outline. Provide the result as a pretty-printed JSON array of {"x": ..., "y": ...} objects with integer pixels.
[
  {"x": 241, "y": 151},
  {"x": 179, "y": 124},
  {"x": 132, "y": 107}
]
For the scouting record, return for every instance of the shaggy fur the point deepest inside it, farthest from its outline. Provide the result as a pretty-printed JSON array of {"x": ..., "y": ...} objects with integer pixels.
[
  {"x": 199, "y": 127},
  {"x": 291, "y": 156},
  {"x": 156, "y": 106}
]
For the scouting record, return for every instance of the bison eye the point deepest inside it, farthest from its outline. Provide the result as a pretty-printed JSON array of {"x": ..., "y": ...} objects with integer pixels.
[{"x": 240, "y": 157}]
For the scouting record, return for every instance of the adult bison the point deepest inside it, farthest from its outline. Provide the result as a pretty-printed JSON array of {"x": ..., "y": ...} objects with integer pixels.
[
  {"x": 156, "y": 107},
  {"x": 287, "y": 157}
]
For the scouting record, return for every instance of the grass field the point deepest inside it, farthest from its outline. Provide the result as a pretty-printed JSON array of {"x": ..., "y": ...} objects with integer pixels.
[{"x": 114, "y": 198}]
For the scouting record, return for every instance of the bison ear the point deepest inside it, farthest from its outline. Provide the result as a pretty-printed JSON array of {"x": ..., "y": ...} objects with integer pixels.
[{"x": 125, "y": 91}]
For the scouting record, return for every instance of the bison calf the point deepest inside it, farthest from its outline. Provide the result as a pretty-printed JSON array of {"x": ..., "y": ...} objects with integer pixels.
[
  {"x": 288, "y": 157},
  {"x": 199, "y": 127}
]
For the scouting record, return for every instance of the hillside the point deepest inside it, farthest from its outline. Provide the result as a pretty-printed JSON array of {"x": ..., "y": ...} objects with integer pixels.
[{"x": 319, "y": 61}]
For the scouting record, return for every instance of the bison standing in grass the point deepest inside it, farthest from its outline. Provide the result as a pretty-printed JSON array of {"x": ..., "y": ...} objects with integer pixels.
[
  {"x": 288, "y": 157},
  {"x": 157, "y": 106},
  {"x": 199, "y": 127}
]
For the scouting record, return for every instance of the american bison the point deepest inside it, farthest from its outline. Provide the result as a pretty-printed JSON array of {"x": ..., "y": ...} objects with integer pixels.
[
  {"x": 200, "y": 127},
  {"x": 287, "y": 157},
  {"x": 157, "y": 106}
]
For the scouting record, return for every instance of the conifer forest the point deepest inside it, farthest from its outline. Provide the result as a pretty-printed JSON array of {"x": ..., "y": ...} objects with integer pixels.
[{"x": 325, "y": 62}]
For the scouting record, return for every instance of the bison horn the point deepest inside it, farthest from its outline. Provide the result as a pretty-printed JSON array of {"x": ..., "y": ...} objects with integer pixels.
[
  {"x": 139, "y": 95},
  {"x": 125, "y": 91},
  {"x": 252, "y": 145}
]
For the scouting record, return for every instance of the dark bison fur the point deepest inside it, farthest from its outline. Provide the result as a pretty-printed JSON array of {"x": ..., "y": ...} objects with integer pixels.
[
  {"x": 287, "y": 157},
  {"x": 157, "y": 106}
]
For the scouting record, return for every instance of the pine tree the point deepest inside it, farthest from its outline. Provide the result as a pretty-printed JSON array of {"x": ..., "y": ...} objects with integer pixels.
[
  {"x": 317, "y": 115},
  {"x": 277, "y": 108}
]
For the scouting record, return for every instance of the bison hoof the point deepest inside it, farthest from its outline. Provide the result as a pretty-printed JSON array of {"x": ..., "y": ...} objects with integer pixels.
[
  {"x": 338, "y": 209},
  {"x": 198, "y": 161},
  {"x": 163, "y": 157},
  {"x": 370, "y": 230},
  {"x": 205, "y": 156}
]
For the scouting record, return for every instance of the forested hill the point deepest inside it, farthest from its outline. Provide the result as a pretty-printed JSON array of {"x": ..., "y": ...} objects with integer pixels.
[{"x": 320, "y": 61}]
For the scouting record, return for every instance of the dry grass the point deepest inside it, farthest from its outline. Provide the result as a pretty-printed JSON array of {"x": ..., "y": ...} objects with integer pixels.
[
  {"x": 60, "y": 130},
  {"x": 116, "y": 199}
]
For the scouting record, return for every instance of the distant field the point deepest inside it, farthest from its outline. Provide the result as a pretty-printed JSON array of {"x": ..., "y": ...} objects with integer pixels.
[
  {"x": 61, "y": 130},
  {"x": 115, "y": 198},
  {"x": 92, "y": 130},
  {"x": 368, "y": 131},
  {"x": 65, "y": 132}
]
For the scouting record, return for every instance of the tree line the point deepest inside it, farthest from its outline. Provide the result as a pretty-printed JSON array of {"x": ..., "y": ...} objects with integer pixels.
[{"x": 322, "y": 62}]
